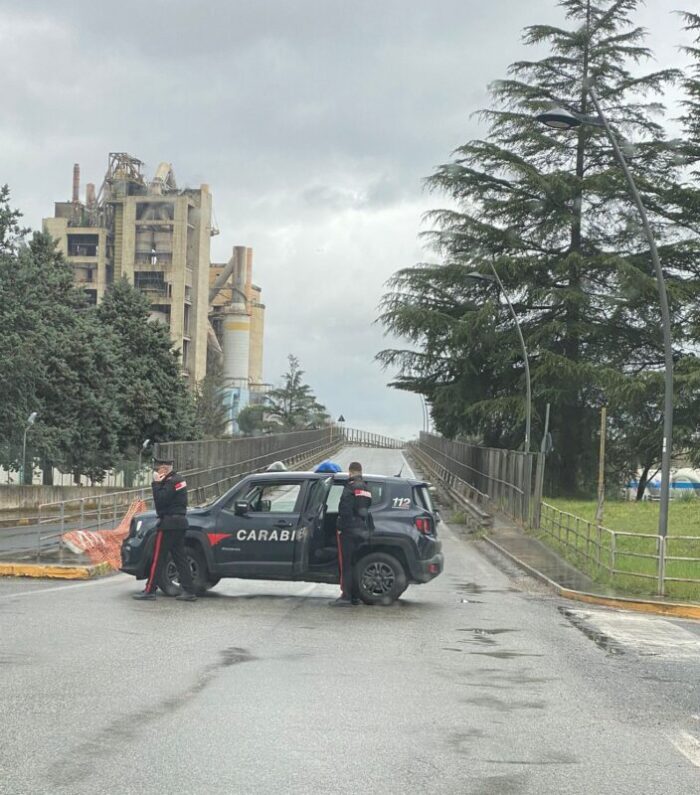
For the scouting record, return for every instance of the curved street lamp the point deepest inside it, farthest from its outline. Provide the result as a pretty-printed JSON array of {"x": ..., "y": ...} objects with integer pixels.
[
  {"x": 493, "y": 277},
  {"x": 563, "y": 119},
  {"x": 31, "y": 419}
]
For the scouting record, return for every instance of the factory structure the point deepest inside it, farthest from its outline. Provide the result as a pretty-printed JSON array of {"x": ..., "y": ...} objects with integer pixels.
[{"x": 158, "y": 237}]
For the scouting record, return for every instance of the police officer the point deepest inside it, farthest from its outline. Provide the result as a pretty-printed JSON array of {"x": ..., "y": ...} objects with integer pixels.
[
  {"x": 354, "y": 522},
  {"x": 170, "y": 502}
]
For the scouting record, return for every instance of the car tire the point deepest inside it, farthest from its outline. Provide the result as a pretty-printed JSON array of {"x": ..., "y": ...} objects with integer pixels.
[
  {"x": 168, "y": 583},
  {"x": 381, "y": 578}
]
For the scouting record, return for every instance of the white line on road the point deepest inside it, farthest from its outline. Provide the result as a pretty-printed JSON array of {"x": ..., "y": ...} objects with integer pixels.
[
  {"x": 408, "y": 466},
  {"x": 102, "y": 581},
  {"x": 689, "y": 746}
]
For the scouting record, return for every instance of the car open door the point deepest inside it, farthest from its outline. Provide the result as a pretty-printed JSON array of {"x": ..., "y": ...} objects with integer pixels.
[{"x": 311, "y": 526}]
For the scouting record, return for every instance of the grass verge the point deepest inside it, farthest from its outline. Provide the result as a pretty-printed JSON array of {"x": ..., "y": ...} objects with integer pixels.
[{"x": 633, "y": 557}]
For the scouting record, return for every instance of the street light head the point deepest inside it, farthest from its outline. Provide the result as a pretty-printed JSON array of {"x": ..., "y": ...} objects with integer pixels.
[
  {"x": 145, "y": 444},
  {"x": 559, "y": 119},
  {"x": 31, "y": 419},
  {"x": 481, "y": 277}
]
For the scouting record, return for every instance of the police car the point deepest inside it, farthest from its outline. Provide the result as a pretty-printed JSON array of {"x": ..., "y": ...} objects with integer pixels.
[{"x": 282, "y": 526}]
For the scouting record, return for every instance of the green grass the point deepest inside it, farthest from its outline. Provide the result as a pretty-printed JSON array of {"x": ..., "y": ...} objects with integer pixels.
[
  {"x": 592, "y": 552},
  {"x": 637, "y": 517}
]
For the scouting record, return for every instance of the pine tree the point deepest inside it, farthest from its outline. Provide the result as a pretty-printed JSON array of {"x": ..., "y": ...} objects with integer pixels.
[
  {"x": 293, "y": 406},
  {"x": 212, "y": 413},
  {"x": 550, "y": 211},
  {"x": 153, "y": 400}
]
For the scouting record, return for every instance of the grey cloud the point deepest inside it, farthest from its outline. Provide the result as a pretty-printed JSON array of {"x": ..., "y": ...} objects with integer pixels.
[{"x": 314, "y": 123}]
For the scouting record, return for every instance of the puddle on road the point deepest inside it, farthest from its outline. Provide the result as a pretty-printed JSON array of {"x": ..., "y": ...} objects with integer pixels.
[
  {"x": 498, "y": 705},
  {"x": 603, "y": 641},
  {"x": 233, "y": 656},
  {"x": 483, "y": 636},
  {"x": 475, "y": 588},
  {"x": 505, "y": 655}
]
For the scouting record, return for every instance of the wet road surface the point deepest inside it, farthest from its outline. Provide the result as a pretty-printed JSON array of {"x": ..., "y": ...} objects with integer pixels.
[{"x": 479, "y": 682}]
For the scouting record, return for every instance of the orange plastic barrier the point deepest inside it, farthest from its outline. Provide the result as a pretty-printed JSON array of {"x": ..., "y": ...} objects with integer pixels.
[{"x": 103, "y": 546}]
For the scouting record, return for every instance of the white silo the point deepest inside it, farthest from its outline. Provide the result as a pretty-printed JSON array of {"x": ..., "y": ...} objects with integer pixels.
[{"x": 236, "y": 344}]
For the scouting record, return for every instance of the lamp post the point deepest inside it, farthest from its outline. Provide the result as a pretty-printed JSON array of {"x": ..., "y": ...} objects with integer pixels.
[
  {"x": 564, "y": 119},
  {"x": 528, "y": 385},
  {"x": 142, "y": 450},
  {"x": 31, "y": 419}
]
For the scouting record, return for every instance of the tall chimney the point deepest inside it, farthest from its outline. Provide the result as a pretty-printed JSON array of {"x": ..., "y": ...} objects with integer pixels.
[
  {"x": 90, "y": 198},
  {"x": 76, "y": 183}
]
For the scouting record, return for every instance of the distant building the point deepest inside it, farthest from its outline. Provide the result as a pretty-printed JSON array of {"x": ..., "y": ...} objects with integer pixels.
[
  {"x": 238, "y": 320},
  {"x": 155, "y": 235}
]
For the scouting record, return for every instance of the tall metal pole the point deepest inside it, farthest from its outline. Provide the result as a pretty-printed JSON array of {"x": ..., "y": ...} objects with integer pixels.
[
  {"x": 24, "y": 455},
  {"x": 665, "y": 320},
  {"x": 528, "y": 385}
]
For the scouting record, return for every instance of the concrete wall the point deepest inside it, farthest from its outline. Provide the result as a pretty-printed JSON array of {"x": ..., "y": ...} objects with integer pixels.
[{"x": 24, "y": 498}]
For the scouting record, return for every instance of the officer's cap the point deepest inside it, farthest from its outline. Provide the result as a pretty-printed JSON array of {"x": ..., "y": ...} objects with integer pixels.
[{"x": 163, "y": 462}]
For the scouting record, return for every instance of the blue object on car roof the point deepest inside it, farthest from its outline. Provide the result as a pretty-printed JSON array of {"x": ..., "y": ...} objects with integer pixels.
[{"x": 328, "y": 466}]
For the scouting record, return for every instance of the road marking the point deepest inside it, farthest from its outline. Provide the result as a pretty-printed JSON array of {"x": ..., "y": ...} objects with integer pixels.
[
  {"x": 689, "y": 746},
  {"x": 102, "y": 581},
  {"x": 408, "y": 466},
  {"x": 648, "y": 635}
]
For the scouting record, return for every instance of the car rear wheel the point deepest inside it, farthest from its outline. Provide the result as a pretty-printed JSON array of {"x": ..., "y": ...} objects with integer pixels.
[
  {"x": 169, "y": 583},
  {"x": 381, "y": 578}
]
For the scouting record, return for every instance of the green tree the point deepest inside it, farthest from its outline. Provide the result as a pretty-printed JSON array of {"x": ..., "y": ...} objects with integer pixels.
[
  {"x": 251, "y": 419},
  {"x": 550, "y": 210},
  {"x": 212, "y": 414},
  {"x": 55, "y": 360},
  {"x": 293, "y": 406},
  {"x": 152, "y": 397}
]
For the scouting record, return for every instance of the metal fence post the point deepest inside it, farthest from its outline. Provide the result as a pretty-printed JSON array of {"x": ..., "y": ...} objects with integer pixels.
[
  {"x": 613, "y": 553},
  {"x": 82, "y": 513},
  {"x": 661, "y": 548}
]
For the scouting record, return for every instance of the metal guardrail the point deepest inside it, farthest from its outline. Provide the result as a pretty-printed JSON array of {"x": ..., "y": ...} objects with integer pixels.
[
  {"x": 504, "y": 475},
  {"x": 105, "y": 511},
  {"x": 476, "y": 504},
  {"x": 358, "y": 438},
  {"x": 617, "y": 554}
]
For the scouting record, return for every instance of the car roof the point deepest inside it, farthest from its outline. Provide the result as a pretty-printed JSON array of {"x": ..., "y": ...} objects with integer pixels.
[{"x": 340, "y": 477}]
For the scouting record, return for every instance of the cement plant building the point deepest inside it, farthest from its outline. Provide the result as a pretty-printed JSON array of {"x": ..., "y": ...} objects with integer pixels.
[{"x": 158, "y": 237}]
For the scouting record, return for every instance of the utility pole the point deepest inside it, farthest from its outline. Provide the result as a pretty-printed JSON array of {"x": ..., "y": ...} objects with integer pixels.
[{"x": 601, "y": 467}]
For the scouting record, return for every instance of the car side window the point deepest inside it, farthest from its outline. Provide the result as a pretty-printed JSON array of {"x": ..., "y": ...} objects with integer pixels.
[
  {"x": 274, "y": 497},
  {"x": 376, "y": 490}
]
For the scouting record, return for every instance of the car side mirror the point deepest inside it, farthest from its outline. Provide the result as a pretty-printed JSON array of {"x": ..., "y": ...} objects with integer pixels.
[{"x": 241, "y": 507}]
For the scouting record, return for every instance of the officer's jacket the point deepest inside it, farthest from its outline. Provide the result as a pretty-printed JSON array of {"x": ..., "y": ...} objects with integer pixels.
[
  {"x": 353, "y": 508},
  {"x": 170, "y": 502}
]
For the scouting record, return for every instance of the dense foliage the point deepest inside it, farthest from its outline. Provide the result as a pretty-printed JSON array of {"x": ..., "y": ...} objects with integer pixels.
[
  {"x": 550, "y": 211},
  {"x": 102, "y": 380}
]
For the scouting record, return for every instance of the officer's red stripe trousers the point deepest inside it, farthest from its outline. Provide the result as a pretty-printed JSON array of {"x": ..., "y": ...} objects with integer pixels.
[
  {"x": 154, "y": 565},
  {"x": 340, "y": 561}
]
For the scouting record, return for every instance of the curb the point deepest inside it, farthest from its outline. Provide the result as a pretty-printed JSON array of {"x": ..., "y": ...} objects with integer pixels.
[
  {"x": 55, "y": 571},
  {"x": 672, "y": 609}
]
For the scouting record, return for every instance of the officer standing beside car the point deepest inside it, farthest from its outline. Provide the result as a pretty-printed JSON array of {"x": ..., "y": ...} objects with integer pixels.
[
  {"x": 354, "y": 524},
  {"x": 170, "y": 503}
]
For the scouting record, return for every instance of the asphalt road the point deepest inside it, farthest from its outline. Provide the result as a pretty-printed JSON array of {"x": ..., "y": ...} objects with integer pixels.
[{"x": 479, "y": 682}]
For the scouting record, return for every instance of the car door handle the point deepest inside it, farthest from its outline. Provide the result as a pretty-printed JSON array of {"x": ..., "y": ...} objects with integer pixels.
[{"x": 284, "y": 523}]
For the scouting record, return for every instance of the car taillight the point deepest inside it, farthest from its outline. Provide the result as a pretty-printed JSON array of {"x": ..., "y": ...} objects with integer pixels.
[{"x": 423, "y": 524}]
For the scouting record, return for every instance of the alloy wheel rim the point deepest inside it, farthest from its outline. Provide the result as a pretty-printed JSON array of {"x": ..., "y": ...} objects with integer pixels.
[{"x": 378, "y": 579}]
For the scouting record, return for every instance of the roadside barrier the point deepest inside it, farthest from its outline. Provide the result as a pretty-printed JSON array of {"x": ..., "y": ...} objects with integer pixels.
[{"x": 103, "y": 546}]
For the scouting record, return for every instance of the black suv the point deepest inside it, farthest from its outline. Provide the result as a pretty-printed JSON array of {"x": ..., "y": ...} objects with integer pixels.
[{"x": 282, "y": 526}]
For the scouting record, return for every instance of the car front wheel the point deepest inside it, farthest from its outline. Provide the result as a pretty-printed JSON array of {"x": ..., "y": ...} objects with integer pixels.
[
  {"x": 169, "y": 582},
  {"x": 381, "y": 578}
]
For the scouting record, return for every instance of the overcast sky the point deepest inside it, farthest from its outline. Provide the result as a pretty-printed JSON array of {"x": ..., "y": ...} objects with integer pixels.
[{"x": 314, "y": 122}]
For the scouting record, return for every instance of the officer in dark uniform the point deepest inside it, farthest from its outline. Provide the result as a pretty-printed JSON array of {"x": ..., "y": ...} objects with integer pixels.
[
  {"x": 354, "y": 522},
  {"x": 170, "y": 502}
]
